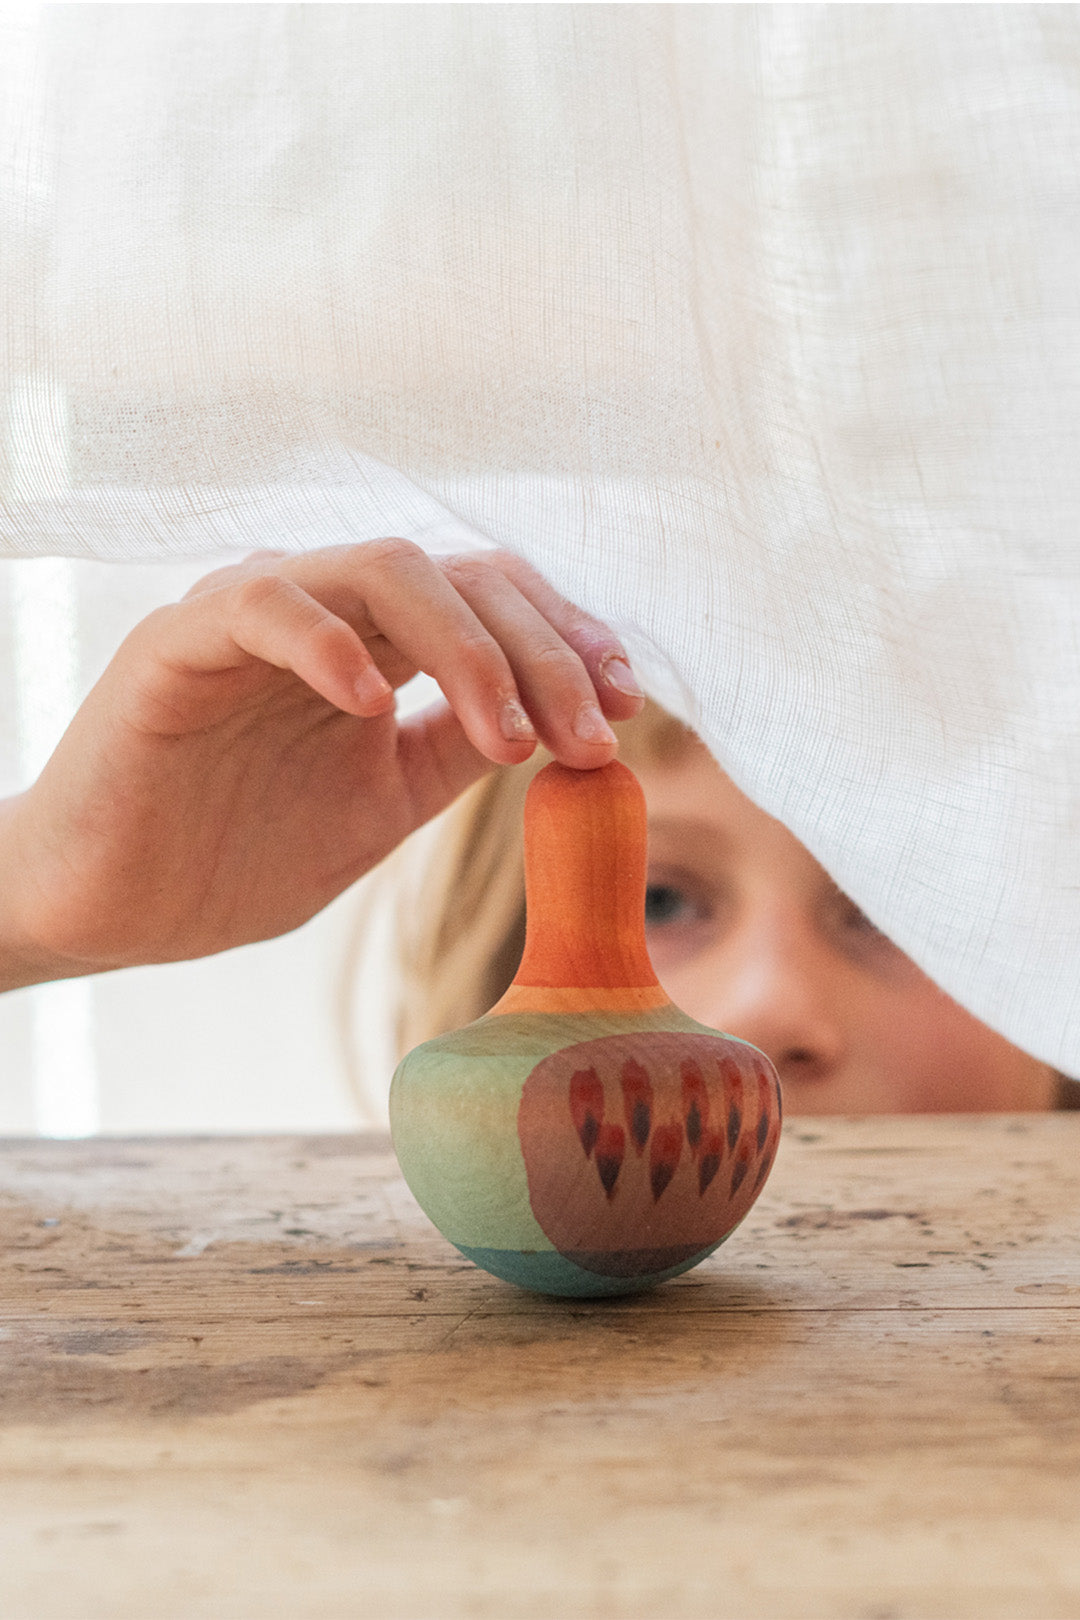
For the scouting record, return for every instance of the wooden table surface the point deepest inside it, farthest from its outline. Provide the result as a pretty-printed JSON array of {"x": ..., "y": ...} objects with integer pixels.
[{"x": 245, "y": 1378}]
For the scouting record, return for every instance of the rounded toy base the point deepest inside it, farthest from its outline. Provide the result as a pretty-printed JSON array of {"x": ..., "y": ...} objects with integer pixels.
[{"x": 548, "y": 1272}]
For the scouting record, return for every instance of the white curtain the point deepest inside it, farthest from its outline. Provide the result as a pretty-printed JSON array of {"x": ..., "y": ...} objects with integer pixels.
[{"x": 756, "y": 327}]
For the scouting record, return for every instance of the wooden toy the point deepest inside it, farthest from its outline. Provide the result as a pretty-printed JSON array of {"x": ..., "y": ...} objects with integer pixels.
[{"x": 585, "y": 1137}]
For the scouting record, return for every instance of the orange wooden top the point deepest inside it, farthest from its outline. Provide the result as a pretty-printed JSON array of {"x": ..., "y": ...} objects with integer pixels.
[{"x": 585, "y": 870}]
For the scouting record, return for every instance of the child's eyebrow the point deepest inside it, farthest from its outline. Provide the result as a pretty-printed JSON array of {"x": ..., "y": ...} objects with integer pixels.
[{"x": 690, "y": 829}]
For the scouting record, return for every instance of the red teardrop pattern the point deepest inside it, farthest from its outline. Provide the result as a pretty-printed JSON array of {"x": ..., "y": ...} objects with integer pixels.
[
  {"x": 587, "y": 1106},
  {"x": 638, "y": 1102},
  {"x": 610, "y": 1152},
  {"x": 700, "y": 1124},
  {"x": 695, "y": 1101},
  {"x": 665, "y": 1151}
]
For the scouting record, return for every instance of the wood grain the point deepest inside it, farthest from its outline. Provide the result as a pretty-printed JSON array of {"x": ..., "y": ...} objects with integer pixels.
[{"x": 245, "y": 1378}]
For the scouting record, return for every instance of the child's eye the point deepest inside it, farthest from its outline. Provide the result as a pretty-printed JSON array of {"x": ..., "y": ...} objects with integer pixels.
[
  {"x": 859, "y": 924},
  {"x": 845, "y": 916},
  {"x": 663, "y": 904},
  {"x": 859, "y": 920},
  {"x": 666, "y": 905}
]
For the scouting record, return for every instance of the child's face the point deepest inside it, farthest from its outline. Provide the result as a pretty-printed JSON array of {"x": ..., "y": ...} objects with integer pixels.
[{"x": 749, "y": 934}]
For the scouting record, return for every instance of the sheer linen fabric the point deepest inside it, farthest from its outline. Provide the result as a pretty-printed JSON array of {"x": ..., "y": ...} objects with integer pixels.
[{"x": 757, "y": 328}]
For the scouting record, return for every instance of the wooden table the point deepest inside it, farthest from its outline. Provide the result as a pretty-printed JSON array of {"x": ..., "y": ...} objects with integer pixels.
[{"x": 246, "y": 1378}]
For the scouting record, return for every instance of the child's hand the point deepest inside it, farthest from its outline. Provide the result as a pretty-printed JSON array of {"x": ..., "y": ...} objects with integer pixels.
[{"x": 239, "y": 763}]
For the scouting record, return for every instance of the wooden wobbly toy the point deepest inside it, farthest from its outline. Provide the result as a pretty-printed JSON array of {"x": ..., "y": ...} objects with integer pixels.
[{"x": 585, "y": 1137}]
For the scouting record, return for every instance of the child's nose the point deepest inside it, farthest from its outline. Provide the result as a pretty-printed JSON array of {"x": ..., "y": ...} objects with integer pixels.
[{"x": 781, "y": 999}]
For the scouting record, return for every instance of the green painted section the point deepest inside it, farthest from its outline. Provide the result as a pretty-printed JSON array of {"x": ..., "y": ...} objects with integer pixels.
[
  {"x": 551, "y": 1273},
  {"x": 453, "y": 1115},
  {"x": 454, "y": 1124}
]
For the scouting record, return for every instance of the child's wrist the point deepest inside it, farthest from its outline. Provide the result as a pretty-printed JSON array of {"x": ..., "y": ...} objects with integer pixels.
[{"x": 23, "y": 961}]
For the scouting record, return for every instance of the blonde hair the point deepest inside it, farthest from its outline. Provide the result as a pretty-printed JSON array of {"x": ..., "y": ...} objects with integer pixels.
[{"x": 456, "y": 898}]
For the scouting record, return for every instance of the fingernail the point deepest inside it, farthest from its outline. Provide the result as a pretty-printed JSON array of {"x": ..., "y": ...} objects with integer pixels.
[
  {"x": 371, "y": 686},
  {"x": 617, "y": 673},
  {"x": 514, "y": 723},
  {"x": 590, "y": 725}
]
